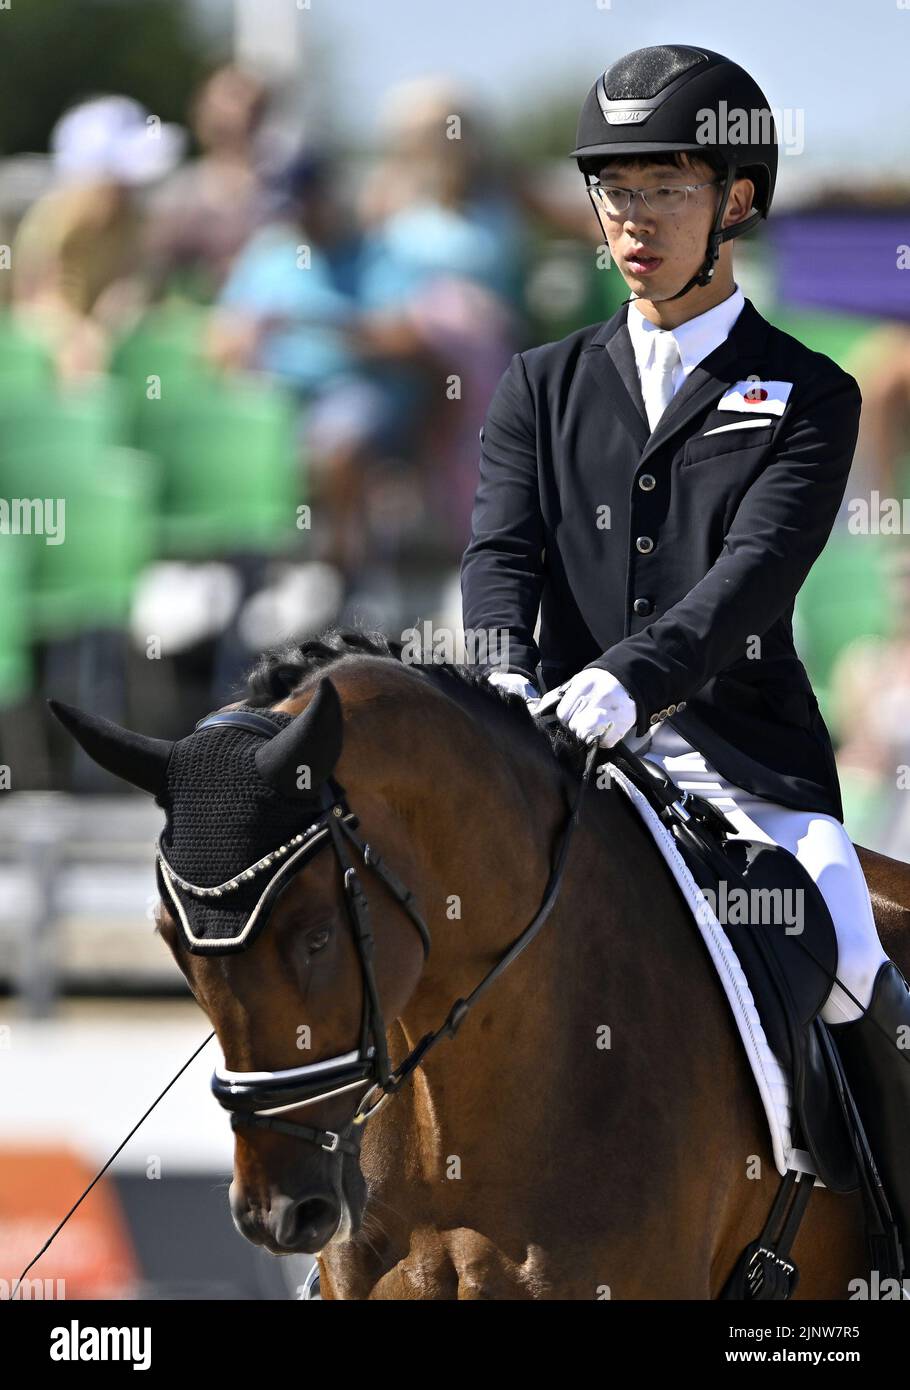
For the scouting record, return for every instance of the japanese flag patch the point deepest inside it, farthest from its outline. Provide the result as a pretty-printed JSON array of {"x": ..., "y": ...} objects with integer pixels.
[{"x": 765, "y": 397}]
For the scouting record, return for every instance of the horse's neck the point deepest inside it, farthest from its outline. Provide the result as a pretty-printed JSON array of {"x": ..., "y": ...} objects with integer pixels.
[
  {"x": 620, "y": 959},
  {"x": 540, "y": 1032},
  {"x": 588, "y": 1080}
]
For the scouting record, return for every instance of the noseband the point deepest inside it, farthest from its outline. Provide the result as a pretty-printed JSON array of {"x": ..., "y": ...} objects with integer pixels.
[{"x": 259, "y": 1099}]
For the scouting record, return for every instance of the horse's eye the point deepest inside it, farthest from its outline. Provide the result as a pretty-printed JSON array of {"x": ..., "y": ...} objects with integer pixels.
[{"x": 318, "y": 938}]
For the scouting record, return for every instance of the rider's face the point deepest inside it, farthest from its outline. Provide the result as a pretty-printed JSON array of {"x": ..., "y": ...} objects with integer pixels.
[{"x": 657, "y": 252}]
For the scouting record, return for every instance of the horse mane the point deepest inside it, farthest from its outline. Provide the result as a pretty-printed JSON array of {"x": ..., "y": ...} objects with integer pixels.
[{"x": 281, "y": 672}]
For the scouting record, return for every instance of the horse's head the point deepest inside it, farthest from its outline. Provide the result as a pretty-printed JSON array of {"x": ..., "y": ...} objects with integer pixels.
[{"x": 259, "y": 872}]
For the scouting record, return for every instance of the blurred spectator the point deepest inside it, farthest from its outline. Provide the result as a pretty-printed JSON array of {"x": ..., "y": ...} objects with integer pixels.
[
  {"x": 77, "y": 252},
  {"x": 437, "y": 200},
  {"x": 291, "y": 307},
  {"x": 444, "y": 280},
  {"x": 871, "y": 687},
  {"x": 294, "y": 286},
  {"x": 881, "y": 365},
  {"x": 395, "y": 327},
  {"x": 204, "y": 213}
]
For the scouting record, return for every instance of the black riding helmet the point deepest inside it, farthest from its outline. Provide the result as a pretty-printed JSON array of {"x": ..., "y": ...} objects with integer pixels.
[{"x": 656, "y": 100}]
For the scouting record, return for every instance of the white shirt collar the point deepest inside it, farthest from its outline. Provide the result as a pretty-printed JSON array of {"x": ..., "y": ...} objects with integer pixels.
[{"x": 696, "y": 338}]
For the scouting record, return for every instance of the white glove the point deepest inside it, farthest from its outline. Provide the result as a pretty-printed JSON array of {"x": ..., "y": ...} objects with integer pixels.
[
  {"x": 514, "y": 682},
  {"x": 595, "y": 706}
]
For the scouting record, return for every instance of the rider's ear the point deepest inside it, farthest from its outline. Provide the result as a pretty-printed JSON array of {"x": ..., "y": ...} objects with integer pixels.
[{"x": 307, "y": 749}]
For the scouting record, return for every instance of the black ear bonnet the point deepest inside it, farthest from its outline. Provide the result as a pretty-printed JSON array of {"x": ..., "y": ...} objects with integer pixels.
[{"x": 232, "y": 842}]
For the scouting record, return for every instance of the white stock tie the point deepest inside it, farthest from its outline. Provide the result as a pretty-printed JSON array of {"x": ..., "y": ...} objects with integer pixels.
[{"x": 657, "y": 387}]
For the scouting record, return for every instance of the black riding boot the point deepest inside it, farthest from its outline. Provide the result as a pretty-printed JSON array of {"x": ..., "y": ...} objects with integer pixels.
[{"x": 875, "y": 1051}]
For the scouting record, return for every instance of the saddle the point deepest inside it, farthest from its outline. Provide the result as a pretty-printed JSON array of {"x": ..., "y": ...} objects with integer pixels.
[{"x": 789, "y": 971}]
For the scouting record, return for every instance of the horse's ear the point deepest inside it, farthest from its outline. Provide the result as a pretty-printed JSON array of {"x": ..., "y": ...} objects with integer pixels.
[
  {"x": 137, "y": 759},
  {"x": 310, "y": 744}
]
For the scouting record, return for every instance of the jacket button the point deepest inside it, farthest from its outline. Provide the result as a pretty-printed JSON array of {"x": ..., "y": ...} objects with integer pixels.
[
  {"x": 642, "y": 607},
  {"x": 681, "y": 705},
  {"x": 644, "y": 544},
  {"x": 664, "y": 713},
  {"x": 647, "y": 481},
  {"x": 655, "y": 718},
  {"x": 671, "y": 709}
]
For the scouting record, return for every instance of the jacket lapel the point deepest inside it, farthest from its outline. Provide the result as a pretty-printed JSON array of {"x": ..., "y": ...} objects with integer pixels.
[{"x": 611, "y": 357}]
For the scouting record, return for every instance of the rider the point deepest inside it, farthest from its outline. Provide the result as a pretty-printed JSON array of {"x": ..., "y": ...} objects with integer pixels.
[{"x": 718, "y": 450}]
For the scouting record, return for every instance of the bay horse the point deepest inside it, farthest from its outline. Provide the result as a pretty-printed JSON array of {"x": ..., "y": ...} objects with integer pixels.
[{"x": 593, "y": 1130}]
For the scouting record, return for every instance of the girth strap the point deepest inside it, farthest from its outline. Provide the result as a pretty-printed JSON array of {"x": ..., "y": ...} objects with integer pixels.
[{"x": 764, "y": 1272}]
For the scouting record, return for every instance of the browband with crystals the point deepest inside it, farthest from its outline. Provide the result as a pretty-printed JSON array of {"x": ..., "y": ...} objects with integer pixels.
[
  {"x": 245, "y": 874},
  {"x": 294, "y": 859}
]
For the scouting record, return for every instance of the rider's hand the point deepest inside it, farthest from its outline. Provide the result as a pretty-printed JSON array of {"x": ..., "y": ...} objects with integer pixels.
[
  {"x": 514, "y": 682},
  {"x": 595, "y": 706}
]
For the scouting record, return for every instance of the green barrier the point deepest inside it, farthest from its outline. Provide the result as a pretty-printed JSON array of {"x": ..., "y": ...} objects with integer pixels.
[
  {"x": 107, "y": 525},
  {"x": 232, "y": 475},
  {"x": 16, "y": 668},
  {"x": 836, "y": 335},
  {"x": 25, "y": 363},
  {"x": 78, "y": 423},
  {"x": 844, "y": 597}
]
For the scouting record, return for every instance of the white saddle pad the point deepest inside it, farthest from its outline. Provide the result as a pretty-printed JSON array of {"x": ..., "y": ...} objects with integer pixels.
[{"x": 772, "y": 1081}]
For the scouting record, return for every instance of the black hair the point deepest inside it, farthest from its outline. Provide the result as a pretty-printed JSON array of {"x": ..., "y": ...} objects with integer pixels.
[{"x": 668, "y": 159}]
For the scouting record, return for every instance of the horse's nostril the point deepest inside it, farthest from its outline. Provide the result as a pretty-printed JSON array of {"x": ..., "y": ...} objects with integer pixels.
[{"x": 310, "y": 1223}]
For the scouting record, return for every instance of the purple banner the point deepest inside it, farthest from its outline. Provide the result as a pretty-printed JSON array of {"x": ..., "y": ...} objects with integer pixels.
[{"x": 847, "y": 261}]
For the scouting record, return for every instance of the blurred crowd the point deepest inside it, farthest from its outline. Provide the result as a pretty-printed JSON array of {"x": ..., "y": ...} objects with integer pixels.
[
  {"x": 361, "y": 294},
  {"x": 327, "y": 329},
  {"x": 258, "y": 366}
]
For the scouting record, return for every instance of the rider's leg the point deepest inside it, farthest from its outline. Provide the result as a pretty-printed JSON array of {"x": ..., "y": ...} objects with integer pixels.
[
  {"x": 822, "y": 846},
  {"x": 873, "y": 1034}
]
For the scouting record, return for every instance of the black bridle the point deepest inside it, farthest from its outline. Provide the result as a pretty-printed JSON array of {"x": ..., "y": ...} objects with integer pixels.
[{"x": 259, "y": 1099}]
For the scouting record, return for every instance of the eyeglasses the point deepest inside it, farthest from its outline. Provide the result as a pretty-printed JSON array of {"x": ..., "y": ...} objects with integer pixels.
[{"x": 670, "y": 198}]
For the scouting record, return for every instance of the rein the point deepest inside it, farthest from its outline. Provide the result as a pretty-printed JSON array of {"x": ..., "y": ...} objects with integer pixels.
[
  {"x": 255, "y": 1099},
  {"x": 259, "y": 1099}
]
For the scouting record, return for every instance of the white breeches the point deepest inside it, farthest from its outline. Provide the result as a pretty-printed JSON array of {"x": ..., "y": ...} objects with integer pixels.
[{"x": 819, "y": 842}]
